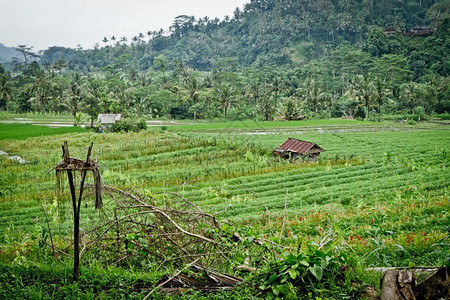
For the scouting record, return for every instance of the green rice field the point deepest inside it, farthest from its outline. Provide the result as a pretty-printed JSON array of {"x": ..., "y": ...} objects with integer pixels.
[{"x": 371, "y": 176}]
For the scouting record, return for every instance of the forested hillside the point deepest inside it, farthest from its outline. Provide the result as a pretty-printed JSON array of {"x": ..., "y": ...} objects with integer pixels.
[
  {"x": 273, "y": 59},
  {"x": 6, "y": 53}
]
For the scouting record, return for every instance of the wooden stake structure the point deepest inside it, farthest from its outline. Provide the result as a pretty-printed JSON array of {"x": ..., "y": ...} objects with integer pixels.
[{"x": 71, "y": 165}]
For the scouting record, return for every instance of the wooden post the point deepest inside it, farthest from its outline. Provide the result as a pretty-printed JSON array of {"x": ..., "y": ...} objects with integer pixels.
[{"x": 76, "y": 208}]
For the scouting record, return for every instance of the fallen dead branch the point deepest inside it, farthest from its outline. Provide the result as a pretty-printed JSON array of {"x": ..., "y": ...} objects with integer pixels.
[
  {"x": 164, "y": 228},
  {"x": 171, "y": 278}
]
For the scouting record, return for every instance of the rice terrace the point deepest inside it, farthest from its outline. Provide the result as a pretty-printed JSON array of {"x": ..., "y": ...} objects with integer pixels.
[{"x": 376, "y": 197}]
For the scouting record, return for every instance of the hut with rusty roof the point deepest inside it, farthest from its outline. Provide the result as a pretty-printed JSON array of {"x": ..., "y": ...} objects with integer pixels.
[{"x": 294, "y": 149}]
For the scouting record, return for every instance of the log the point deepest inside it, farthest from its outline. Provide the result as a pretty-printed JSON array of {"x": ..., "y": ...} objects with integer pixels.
[
  {"x": 434, "y": 286},
  {"x": 398, "y": 285},
  {"x": 417, "y": 270}
]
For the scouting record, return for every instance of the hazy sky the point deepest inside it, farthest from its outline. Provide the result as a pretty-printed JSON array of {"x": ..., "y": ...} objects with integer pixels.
[{"x": 45, "y": 23}]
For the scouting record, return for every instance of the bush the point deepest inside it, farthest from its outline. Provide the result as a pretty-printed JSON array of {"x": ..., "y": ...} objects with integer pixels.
[
  {"x": 130, "y": 124},
  {"x": 312, "y": 271},
  {"x": 445, "y": 116}
]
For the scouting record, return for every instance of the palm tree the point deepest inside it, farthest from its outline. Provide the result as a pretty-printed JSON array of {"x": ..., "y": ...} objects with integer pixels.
[
  {"x": 91, "y": 104},
  {"x": 193, "y": 87},
  {"x": 135, "y": 39},
  {"x": 416, "y": 94},
  {"x": 42, "y": 88},
  {"x": 254, "y": 91},
  {"x": 105, "y": 40},
  {"x": 140, "y": 36},
  {"x": 289, "y": 109},
  {"x": 225, "y": 96},
  {"x": 314, "y": 95},
  {"x": 5, "y": 90},
  {"x": 363, "y": 88},
  {"x": 75, "y": 94},
  {"x": 267, "y": 105},
  {"x": 151, "y": 34},
  {"x": 380, "y": 93},
  {"x": 143, "y": 79},
  {"x": 410, "y": 95}
]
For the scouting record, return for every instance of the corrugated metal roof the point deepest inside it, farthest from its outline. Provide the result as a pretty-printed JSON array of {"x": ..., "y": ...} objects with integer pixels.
[
  {"x": 294, "y": 145},
  {"x": 108, "y": 118}
]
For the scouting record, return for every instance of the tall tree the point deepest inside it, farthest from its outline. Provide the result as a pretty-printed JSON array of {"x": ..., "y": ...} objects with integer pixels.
[
  {"x": 381, "y": 92},
  {"x": 417, "y": 94},
  {"x": 42, "y": 88},
  {"x": 289, "y": 109},
  {"x": 74, "y": 95},
  {"x": 105, "y": 40},
  {"x": 192, "y": 88},
  {"x": 313, "y": 94},
  {"x": 94, "y": 98},
  {"x": 27, "y": 53},
  {"x": 363, "y": 89},
  {"x": 5, "y": 89},
  {"x": 225, "y": 96},
  {"x": 266, "y": 105}
]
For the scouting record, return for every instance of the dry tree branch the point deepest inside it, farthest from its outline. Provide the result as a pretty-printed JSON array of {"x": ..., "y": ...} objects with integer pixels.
[
  {"x": 327, "y": 239},
  {"x": 172, "y": 277},
  {"x": 181, "y": 197}
]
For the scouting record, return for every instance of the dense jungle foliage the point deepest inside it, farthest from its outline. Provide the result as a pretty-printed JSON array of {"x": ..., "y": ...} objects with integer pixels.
[{"x": 273, "y": 59}]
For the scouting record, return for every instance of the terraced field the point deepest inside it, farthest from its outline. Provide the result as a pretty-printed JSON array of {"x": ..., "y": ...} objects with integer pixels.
[
  {"x": 387, "y": 162},
  {"x": 398, "y": 173}
]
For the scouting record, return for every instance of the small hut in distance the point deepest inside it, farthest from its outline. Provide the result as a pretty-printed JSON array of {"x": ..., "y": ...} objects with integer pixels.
[
  {"x": 294, "y": 149},
  {"x": 107, "y": 120}
]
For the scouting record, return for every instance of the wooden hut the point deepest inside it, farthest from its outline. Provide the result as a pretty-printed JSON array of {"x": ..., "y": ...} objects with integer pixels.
[
  {"x": 294, "y": 149},
  {"x": 107, "y": 120}
]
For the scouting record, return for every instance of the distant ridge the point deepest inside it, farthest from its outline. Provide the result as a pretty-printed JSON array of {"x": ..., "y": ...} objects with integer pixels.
[{"x": 7, "y": 53}]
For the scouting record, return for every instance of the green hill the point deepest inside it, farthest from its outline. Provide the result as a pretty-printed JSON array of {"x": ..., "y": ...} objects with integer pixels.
[{"x": 265, "y": 32}]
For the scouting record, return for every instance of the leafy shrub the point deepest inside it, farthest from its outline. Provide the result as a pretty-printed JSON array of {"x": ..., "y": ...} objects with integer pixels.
[
  {"x": 411, "y": 121},
  {"x": 445, "y": 116},
  {"x": 420, "y": 112},
  {"x": 302, "y": 273},
  {"x": 130, "y": 124}
]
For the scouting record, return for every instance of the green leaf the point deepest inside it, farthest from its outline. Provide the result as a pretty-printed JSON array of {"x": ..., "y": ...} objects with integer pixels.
[
  {"x": 305, "y": 263},
  {"x": 283, "y": 288},
  {"x": 275, "y": 290},
  {"x": 273, "y": 277},
  {"x": 317, "y": 271},
  {"x": 293, "y": 273}
]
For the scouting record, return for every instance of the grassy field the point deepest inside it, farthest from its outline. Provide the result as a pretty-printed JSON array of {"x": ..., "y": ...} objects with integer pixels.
[
  {"x": 24, "y": 131},
  {"x": 383, "y": 188}
]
